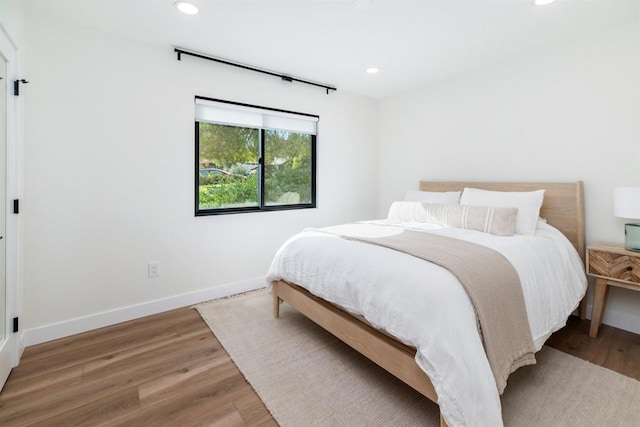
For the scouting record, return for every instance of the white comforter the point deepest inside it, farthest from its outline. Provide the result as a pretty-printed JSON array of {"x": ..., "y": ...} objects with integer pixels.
[{"x": 424, "y": 305}]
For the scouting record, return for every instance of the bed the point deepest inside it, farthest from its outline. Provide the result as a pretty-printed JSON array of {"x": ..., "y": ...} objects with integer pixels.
[{"x": 563, "y": 208}]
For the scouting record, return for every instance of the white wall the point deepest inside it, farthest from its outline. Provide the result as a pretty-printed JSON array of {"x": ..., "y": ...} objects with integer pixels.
[
  {"x": 109, "y": 173},
  {"x": 565, "y": 113},
  {"x": 108, "y": 158}
]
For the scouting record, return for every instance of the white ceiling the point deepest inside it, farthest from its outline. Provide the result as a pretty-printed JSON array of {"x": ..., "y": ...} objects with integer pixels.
[{"x": 413, "y": 43}]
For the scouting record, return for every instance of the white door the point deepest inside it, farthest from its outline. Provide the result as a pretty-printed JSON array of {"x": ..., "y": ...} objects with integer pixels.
[
  {"x": 8, "y": 226},
  {"x": 6, "y": 352}
]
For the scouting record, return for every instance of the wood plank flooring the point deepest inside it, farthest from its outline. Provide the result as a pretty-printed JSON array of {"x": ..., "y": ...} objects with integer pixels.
[
  {"x": 170, "y": 370},
  {"x": 614, "y": 348},
  {"x": 167, "y": 369}
]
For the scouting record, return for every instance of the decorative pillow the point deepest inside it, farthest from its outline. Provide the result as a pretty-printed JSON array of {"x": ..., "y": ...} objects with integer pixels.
[
  {"x": 407, "y": 212},
  {"x": 528, "y": 204},
  {"x": 445, "y": 197},
  {"x": 498, "y": 221}
]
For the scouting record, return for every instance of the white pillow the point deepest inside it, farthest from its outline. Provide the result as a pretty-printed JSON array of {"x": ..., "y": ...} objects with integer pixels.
[
  {"x": 444, "y": 198},
  {"x": 498, "y": 221},
  {"x": 528, "y": 204}
]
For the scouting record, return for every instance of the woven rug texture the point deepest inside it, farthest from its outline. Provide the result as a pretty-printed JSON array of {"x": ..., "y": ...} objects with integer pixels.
[{"x": 307, "y": 377}]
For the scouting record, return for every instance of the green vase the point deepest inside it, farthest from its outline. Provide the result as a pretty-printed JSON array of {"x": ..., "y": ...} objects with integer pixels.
[{"x": 632, "y": 237}]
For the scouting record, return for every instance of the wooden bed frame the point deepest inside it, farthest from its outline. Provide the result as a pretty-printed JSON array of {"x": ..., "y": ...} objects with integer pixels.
[{"x": 563, "y": 208}]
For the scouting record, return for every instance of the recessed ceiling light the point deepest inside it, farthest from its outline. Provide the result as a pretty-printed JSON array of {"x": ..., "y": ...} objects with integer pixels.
[
  {"x": 186, "y": 7},
  {"x": 372, "y": 70},
  {"x": 542, "y": 2}
]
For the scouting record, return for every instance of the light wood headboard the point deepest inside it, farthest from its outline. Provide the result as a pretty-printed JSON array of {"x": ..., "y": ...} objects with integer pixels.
[{"x": 563, "y": 205}]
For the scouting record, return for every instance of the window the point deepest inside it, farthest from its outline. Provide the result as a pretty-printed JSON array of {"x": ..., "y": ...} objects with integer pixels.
[{"x": 252, "y": 158}]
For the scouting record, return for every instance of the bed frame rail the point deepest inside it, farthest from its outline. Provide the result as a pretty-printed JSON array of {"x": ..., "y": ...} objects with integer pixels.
[{"x": 395, "y": 357}]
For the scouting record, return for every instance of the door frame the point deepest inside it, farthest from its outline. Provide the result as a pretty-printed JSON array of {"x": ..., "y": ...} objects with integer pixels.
[{"x": 14, "y": 341}]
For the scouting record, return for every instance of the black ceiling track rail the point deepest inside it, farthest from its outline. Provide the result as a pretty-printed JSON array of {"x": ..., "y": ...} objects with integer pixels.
[{"x": 284, "y": 77}]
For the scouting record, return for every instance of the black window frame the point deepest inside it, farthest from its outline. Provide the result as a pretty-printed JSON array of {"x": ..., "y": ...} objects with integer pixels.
[{"x": 261, "y": 143}]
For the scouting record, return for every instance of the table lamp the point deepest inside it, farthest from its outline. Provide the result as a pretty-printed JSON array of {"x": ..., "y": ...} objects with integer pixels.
[{"x": 626, "y": 204}]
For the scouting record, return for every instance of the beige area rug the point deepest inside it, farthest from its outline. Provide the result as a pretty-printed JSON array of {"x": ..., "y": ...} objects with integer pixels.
[{"x": 307, "y": 377}]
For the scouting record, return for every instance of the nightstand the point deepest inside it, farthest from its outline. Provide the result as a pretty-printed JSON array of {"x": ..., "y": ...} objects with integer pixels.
[{"x": 611, "y": 265}]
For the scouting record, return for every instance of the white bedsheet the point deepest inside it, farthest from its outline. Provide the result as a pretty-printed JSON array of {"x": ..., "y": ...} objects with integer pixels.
[{"x": 424, "y": 305}]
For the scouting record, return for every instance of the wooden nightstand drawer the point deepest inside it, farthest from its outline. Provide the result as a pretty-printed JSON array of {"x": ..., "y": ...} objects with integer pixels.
[
  {"x": 615, "y": 266},
  {"x": 612, "y": 265}
]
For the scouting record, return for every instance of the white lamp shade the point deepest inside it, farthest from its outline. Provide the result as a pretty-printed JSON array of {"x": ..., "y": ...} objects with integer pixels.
[{"x": 626, "y": 202}]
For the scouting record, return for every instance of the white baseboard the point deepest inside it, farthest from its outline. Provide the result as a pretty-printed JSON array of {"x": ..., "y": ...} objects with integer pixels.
[
  {"x": 87, "y": 323},
  {"x": 619, "y": 320}
]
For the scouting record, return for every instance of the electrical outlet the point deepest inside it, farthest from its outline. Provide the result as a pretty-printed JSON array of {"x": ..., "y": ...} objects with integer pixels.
[{"x": 154, "y": 269}]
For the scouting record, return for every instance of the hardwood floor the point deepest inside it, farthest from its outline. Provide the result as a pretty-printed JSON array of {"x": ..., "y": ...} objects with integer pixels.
[
  {"x": 166, "y": 369},
  {"x": 614, "y": 348},
  {"x": 169, "y": 369}
]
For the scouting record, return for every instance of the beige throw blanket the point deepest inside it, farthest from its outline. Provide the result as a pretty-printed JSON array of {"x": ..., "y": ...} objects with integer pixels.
[{"x": 491, "y": 282}]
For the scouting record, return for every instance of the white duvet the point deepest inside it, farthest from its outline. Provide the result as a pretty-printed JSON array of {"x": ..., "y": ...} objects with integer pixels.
[{"x": 424, "y": 305}]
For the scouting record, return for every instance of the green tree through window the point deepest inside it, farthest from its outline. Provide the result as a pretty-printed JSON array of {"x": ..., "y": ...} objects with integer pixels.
[
  {"x": 242, "y": 168},
  {"x": 287, "y": 172}
]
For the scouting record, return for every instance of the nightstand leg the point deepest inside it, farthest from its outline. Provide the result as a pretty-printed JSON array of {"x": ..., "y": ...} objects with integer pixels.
[
  {"x": 599, "y": 302},
  {"x": 582, "y": 308}
]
